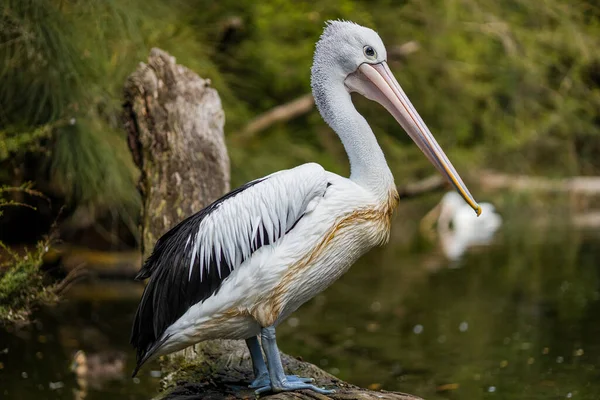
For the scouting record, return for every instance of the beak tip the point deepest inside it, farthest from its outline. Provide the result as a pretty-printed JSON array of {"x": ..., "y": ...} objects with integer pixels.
[{"x": 478, "y": 209}]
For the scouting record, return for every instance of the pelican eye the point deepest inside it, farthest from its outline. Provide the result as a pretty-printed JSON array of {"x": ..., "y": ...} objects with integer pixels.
[{"x": 370, "y": 52}]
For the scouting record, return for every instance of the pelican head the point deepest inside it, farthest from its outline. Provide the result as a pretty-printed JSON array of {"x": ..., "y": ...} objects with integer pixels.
[{"x": 353, "y": 57}]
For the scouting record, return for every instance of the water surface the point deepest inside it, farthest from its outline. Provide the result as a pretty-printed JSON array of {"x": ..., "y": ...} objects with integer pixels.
[{"x": 517, "y": 319}]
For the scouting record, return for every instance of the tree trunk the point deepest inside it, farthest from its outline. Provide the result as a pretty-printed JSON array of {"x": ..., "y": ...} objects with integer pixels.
[{"x": 174, "y": 122}]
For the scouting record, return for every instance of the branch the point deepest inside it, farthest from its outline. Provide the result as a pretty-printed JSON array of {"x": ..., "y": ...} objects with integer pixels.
[
  {"x": 284, "y": 112},
  {"x": 305, "y": 103},
  {"x": 491, "y": 180},
  {"x": 430, "y": 184},
  {"x": 403, "y": 50}
]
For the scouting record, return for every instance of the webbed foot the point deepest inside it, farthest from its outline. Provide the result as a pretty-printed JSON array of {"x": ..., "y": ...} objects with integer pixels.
[
  {"x": 264, "y": 380},
  {"x": 277, "y": 380},
  {"x": 287, "y": 385}
]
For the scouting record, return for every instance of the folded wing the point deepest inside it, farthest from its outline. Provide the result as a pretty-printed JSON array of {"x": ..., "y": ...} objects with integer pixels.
[{"x": 190, "y": 262}]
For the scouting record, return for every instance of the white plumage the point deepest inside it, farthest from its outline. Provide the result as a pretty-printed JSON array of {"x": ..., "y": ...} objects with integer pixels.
[
  {"x": 262, "y": 212},
  {"x": 239, "y": 267},
  {"x": 249, "y": 290}
]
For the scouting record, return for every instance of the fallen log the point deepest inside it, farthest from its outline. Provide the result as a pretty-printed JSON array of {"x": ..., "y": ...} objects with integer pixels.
[
  {"x": 224, "y": 371},
  {"x": 493, "y": 180},
  {"x": 588, "y": 185},
  {"x": 174, "y": 122}
]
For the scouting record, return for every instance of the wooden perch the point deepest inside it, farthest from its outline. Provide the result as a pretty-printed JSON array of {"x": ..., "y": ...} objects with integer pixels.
[
  {"x": 231, "y": 370},
  {"x": 174, "y": 122}
]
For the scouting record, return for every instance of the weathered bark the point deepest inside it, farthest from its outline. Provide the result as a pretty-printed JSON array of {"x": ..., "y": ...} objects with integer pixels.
[
  {"x": 174, "y": 122},
  {"x": 175, "y": 128},
  {"x": 225, "y": 370}
]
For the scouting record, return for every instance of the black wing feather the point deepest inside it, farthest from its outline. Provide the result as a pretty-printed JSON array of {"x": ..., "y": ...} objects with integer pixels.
[{"x": 167, "y": 297}]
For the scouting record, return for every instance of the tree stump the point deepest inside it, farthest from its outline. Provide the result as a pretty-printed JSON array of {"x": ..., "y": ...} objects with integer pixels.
[{"x": 174, "y": 122}]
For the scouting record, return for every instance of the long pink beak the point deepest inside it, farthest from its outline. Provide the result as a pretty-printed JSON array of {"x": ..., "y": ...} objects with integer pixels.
[{"x": 376, "y": 82}]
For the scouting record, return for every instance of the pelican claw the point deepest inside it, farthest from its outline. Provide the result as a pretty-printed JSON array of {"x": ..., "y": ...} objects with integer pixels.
[
  {"x": 263, "y": 381},
  {"x": 288, "y": 386}
]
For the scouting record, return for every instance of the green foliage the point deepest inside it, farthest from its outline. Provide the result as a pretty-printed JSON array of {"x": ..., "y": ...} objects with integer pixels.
[
  {"x": 24, "y": 188},
  {"x": 21, "y": 281},
  {"x": 12, "y": 143},
  {"x": 515, "y": 81},
  {"x": 505, "y": 85},
  {"x": 22, "y": 284},
  {"x": 510, "y": 85}
]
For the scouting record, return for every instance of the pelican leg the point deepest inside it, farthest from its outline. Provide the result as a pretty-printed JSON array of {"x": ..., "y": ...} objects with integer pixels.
[
  {"x": 261, "y": 374},
  {"x": 279, "y": 382}
]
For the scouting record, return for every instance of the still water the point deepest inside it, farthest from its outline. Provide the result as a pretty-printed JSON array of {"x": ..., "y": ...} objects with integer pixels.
[{"x": 517, "y": 319}]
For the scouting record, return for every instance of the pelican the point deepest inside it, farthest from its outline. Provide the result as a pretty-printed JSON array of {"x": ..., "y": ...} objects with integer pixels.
[
  {"x": 458, "y": 228},
  {"x": 243, "y": 264}
]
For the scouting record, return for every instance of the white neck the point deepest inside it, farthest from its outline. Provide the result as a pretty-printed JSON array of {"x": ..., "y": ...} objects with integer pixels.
[{"x": 368, "y": 167}]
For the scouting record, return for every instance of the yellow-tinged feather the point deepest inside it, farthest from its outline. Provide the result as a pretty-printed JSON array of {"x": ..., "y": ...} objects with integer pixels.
[{"x": 266, "y": 313}]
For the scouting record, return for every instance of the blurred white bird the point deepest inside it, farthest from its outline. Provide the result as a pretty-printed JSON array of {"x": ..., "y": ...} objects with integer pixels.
[{"x": 458, "y": 228}]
